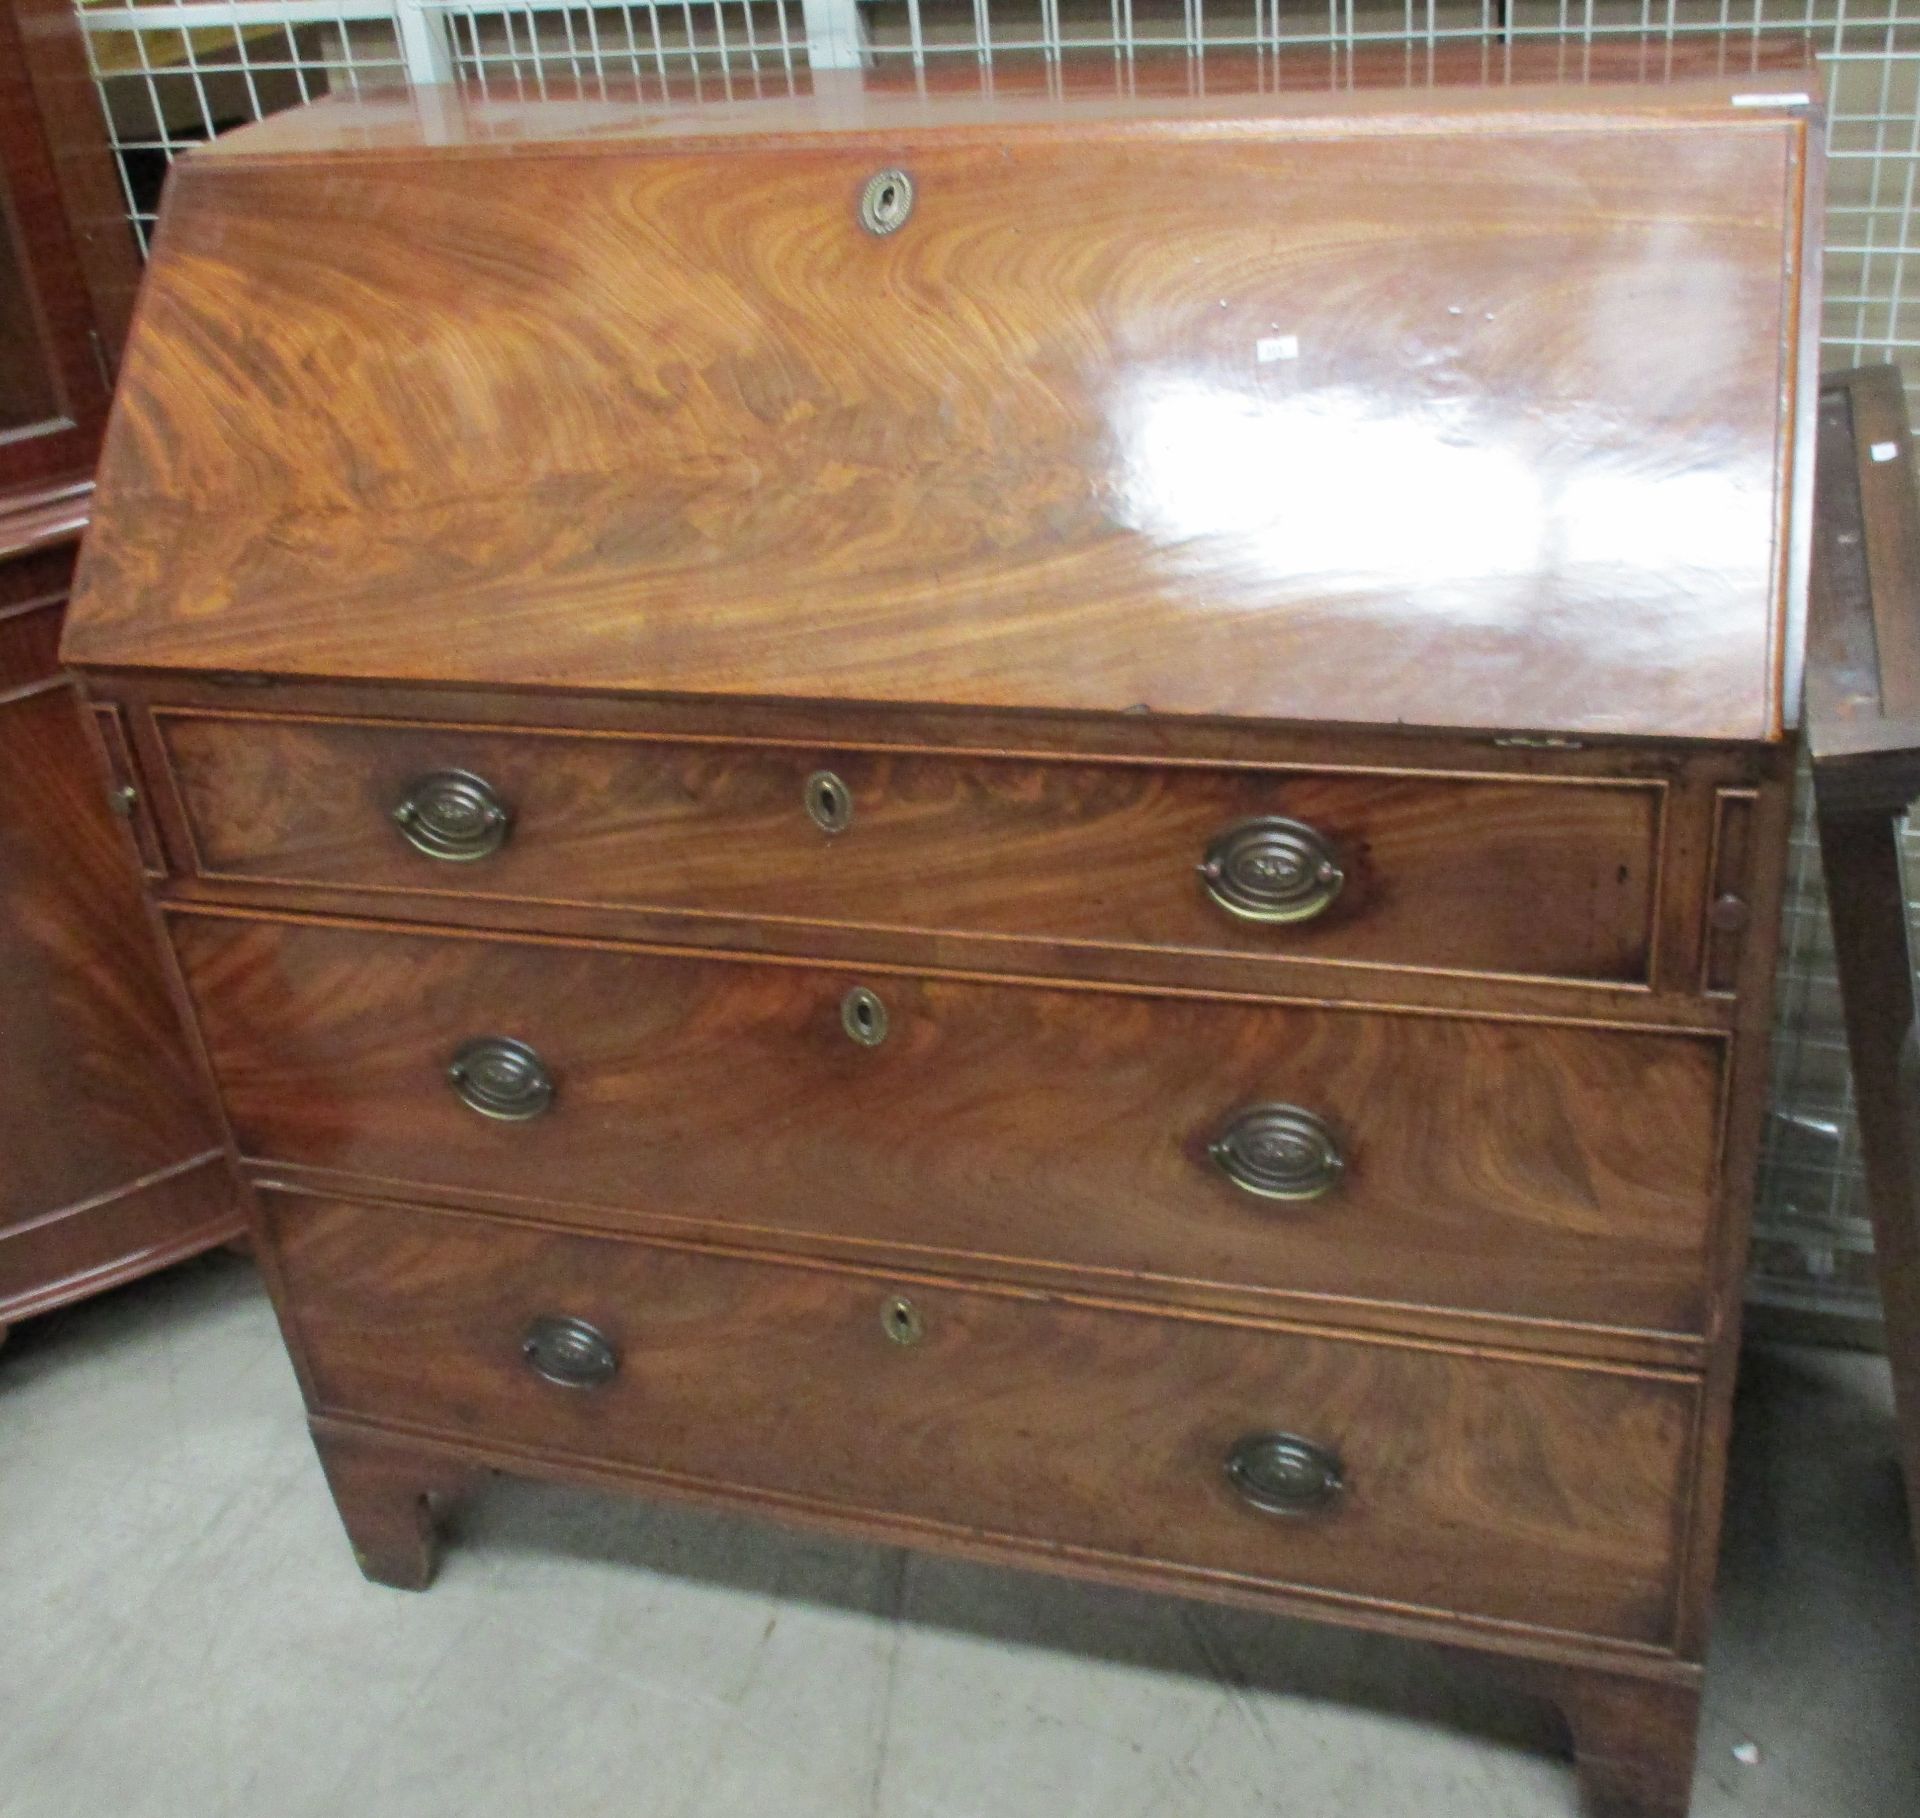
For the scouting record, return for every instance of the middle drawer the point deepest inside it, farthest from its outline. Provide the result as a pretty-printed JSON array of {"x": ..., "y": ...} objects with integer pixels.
[
  {"x": 1550, "y": 1172},
  {"x": 1542, "y": 1172}
]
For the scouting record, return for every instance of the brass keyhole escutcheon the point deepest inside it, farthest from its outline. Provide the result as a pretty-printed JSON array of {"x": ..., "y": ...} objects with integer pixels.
[
  {"x": 829, "y": 802},
  {"x": 886, "y": 202},
  {"x": 864, "y": 1017},
  {"x": 901, "y": 1321}
]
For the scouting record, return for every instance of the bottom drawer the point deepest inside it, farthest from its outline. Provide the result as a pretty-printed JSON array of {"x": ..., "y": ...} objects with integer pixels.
[{"x": 1517, "y": 1491}]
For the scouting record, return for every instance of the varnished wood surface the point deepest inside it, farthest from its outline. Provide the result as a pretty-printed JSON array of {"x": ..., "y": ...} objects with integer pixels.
[
  {"x": 1687, "y": 778},
  {"x": 41, "y": 521},
  {"x": 1863, "y": 723},
  {"x": 71, "y": 114},
  {"x": 1860, "y": 856},
  {"x": 1509, "y": 878},
  {"x": 1477, "y": 423},
  {"x": 387, "y": 1496},
  {"x": 130, "y": 1230},
  {"x": 1551, "y": 1173},
  {"x": 1863, "y": 631},
  {"x": 599, "y": 438},
  {"x": 1635, "y": 1739},
  {"x": 1504, "y": 1490},
  {"x": 110, "y": 1164},
  {"x": 1616, "y": 82},
  {"x": 49, "y": 364}
]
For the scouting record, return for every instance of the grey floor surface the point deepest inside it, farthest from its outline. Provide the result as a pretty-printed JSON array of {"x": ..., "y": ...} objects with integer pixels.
[{"x": 183, "y": 1635}]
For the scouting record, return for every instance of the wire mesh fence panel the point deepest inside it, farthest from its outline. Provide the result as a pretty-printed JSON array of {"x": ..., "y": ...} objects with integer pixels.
[
  {"x": 525, "y": 48},
  {"x": 175, "y": 72},
  {"x": 172, "y": 75}
]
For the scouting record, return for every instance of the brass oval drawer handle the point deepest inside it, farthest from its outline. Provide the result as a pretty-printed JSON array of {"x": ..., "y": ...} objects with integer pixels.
[
  {"x": 829, "y": 802},
  {"x": 1283, "y": 1474},
  {"x": 569, "y": 1352},
  {"x": 864, "y": 1017},
  {"x": 1272, "y": 870},
  {"x": 501, "y": 1078},
  {"x": 1278, "y": 1152},
  {"x": 454, "y": 815},
  {"x": 886, "y": 202}
]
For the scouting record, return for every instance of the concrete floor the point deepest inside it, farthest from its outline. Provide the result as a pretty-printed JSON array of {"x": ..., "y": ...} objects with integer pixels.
[{"x": 183, "y": 1635}]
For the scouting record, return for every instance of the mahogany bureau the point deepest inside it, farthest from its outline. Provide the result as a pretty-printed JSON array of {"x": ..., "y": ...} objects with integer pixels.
[{"x": 1038, "y": 817}]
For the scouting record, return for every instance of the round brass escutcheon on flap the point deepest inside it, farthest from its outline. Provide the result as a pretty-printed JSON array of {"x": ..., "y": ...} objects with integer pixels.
[
  {"x": 501, "y": 1078},
  {"x": 1282, "y": 1474},
  {"x": 829, "y": 802},
  {"x": 1271, "y": 869},
  {"x": 901, "y": 1321},
  {"x": 454, "y": 815},
  {"x": 1278, "y": 1152},
  {"x": 886, "y": 202},
  {"x": 864, "y": 1017},
  {"x": 569, "y": 1352}
]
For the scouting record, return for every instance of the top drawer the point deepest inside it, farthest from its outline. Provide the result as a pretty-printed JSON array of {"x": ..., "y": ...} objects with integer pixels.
[{"x": 1512, "y": 876}]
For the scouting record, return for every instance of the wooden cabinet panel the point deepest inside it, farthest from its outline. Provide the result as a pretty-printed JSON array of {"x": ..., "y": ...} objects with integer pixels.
[
  {"x": 113, "y": 1162},
  {"x": 110, "y": 1158},
  {"x": 1506, "y": 1491}
]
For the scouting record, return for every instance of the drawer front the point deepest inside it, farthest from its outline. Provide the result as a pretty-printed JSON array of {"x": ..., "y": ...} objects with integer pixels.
[
  {"x": 1504, "y": 876},
  {"x": 1549, "y": 1172},
  {"x": 1519, "y": 1492}
]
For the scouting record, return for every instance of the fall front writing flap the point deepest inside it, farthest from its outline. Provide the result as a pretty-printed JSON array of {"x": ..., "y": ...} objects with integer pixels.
[{"x": 1467, "y": 406}]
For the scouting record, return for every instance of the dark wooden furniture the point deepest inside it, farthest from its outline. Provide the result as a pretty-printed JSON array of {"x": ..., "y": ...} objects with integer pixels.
[
  {"x": 110, "y": 1161},
  {"x": 1863, "y": 736},
  {"x": 1044, "y": 819}
]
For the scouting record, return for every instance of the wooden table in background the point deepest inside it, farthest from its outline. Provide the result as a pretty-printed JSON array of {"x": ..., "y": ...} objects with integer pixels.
[{"x": 1863, "y": 734}]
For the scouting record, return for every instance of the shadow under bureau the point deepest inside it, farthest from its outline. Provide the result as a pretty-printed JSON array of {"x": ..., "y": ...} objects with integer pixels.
[{"x": 1040, "y": 819}]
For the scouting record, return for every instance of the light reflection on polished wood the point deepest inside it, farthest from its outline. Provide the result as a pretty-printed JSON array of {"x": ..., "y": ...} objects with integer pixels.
[
  {"x": 1367, "y": 445},
  {"x": 1515, "y": 877},
  {"x": 1471, "y": 427},
  {"x": 1551, "y": 1173}
]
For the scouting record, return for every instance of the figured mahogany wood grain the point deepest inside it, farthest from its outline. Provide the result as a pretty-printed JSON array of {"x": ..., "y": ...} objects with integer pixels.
[
  {"x": 1550, "y": 1172},
  {"x": 97, "y": 1089},
  {"x": 53, "y": 161},
  {"x": 1461, "y": 418},
  {"x": 1617, "y": 82},
  {"x": 1517, "y": 1492},
  {"x": 108, "y": 1151},
  {"x": 1497, "y": 876}
]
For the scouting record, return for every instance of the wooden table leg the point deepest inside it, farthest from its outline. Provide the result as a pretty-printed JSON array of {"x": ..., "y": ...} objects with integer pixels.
[{"x": 1860, "y": 855}]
